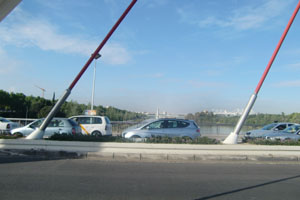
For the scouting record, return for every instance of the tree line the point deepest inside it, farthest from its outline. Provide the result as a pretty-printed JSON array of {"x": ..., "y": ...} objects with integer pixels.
[
  {"x": 18, "y": 105},
  {"x": 252, "y": 120}
]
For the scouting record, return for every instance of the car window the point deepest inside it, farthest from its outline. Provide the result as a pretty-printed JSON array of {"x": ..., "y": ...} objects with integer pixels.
[
  {"x": 97, "y": 120},
  {"x": 107, "y": 120},
  {"x": 281, "y": 127},
  {"x": 84, "y": 120},
  {"x": 56, "y": 123},
  {"x": 156, "y": 125},
  {"x": 36, "y": 123},
  {"x": 292, "y": 129},
  {"x": 182, "y": 124},
  {"x": 172, "y": 124},
  {"x": 269, "y": 126}
]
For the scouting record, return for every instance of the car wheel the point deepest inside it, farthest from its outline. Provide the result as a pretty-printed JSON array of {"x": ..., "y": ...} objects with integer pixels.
[
  {"x": 96, "y": 133},
  {"x": 18, "y": 134}
]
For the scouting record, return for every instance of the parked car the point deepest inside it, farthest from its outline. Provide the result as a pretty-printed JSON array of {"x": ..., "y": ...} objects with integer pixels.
[
  {"x": 288, "y": 130},
  {"x": 164, "y": 127},
  {"x": 270, "y": 128},
  {"x": 57, "y": 125},
  {"x": 6, "y": 125},
  {"x": 290, "y": 133},
  {"x": 94, "y": 125}
]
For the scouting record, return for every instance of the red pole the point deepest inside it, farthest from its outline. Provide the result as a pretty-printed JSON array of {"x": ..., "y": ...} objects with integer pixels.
[
  {"x": 277, "y": 49},
  {"x": 102, "y": 44},
  {"x": 39, "y": 132},
  {"x": 233, "y": 137}
]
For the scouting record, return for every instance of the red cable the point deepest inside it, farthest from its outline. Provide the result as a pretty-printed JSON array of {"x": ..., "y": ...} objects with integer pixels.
[
  {"x": 277, "y": 49},
  {"x": 102, "y": 44}
]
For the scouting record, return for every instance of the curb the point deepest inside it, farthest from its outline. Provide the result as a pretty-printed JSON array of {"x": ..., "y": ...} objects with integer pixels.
[{"x": 47, "y": 149}]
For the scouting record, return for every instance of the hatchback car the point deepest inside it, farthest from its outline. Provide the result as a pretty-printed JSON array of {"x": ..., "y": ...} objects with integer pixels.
[
  {"x": 270, "y": 128},
  {"x": 57, "y": 125},
  {"x": 6, "y": 125},
  {"x": 94, "y": 125},
  {"x": 164, "y": 127}
]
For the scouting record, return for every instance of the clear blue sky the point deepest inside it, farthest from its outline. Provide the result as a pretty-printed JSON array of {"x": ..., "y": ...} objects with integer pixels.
[{"x": 180, "y": 56}]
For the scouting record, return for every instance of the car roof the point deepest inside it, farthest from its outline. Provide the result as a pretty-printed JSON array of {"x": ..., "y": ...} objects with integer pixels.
[{"x": 87, "y": 116}]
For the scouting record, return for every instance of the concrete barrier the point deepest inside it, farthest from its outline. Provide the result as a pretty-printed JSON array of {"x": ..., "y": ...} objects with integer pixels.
[{"x": 160, "y": 152}]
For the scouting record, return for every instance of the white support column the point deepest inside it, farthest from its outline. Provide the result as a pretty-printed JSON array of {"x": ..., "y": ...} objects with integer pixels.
[{"x": 233, "y": 136}]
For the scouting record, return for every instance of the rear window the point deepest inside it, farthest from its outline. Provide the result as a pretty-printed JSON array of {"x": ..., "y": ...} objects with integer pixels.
[
  {"x": 72, "y": 122},
  {"x": 182, "y": 124},
  {"x": 107, "y": 120}
]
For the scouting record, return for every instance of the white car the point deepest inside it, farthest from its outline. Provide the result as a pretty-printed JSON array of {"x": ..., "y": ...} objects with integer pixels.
[
  {"x": 94, "y": 125},
  {"x": 6, "y": 126}
]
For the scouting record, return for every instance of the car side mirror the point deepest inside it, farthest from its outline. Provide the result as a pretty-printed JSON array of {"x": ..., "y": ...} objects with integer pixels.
[{"x": 276, "y": 129}]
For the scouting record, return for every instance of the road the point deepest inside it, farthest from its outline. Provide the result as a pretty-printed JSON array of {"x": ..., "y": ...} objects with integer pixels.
[{"x": 95, "y": 179}]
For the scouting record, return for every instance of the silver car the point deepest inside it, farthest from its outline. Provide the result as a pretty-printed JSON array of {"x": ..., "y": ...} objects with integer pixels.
[
  {"x": 290, "y": 133},
  {"x": 6, "y": 125},
  {"x": 164, "y": 127},
  {"x": 270, "y": 128},
  {"x": 57, "y": 125}
]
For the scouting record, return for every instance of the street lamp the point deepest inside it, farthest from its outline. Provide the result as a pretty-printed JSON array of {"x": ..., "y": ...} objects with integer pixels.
[{"x": 93, "y": 90}]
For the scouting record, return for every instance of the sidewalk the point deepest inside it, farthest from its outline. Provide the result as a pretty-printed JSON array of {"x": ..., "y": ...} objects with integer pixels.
[{"x": 152, "y": 152}]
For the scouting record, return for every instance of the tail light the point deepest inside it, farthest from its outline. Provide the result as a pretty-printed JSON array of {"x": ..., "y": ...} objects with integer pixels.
[
  {"x": 8, "y": 126},
  {"x": 106, "y": 127},
  {"x": 73, "y": 131},
  {"x": 198, "y": 130}
]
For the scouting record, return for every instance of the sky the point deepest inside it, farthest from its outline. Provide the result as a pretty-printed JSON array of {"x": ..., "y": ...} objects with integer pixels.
[{"x": 178, "y": 56}]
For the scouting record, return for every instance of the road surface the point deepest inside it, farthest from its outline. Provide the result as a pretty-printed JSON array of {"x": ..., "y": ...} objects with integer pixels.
[{"x": 95, "y": 179}]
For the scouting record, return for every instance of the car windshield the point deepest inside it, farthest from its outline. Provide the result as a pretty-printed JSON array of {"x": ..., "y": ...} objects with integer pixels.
[
  {"x": 4, "y": 120},
  {"x": 269, "y": 126},
  {"x": 292, "y": 129},
  {"x": 141, "y": 124}
]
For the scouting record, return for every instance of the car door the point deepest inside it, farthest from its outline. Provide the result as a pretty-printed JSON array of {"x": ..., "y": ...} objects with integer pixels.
[
  {"x": 156, "y": 128},
  {"x": 55, "y": 126},
  {"x": 26, "y": 130}
]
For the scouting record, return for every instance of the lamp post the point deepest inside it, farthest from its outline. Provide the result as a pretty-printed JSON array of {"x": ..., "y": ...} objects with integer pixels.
[{"x": 94, "y": 77}]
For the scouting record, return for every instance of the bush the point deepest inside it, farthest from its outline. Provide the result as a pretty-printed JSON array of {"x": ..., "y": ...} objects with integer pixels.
[
  {"x": 182, "y": 140},
  {"x": 5, "y": 136},
  {"x": 164, "y": 140},
  {"x": 86, "y": 138},
  {"x": 260, "y": 141}
]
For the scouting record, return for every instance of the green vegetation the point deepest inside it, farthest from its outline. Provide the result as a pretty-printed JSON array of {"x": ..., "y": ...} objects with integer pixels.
[
  {"x": 17, "y": 105},
  {"x": 5, "y": 136},
  {"x": 260, "y": 141},
  {"x": 180, "y": 140},
  {"x": 208, "y": 118},
  {"x": 165, "y": 140},
  {"x": 85, "y": 138}
]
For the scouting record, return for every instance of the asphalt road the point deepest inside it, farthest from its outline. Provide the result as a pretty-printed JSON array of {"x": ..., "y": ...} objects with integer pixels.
[{"x": 95, "y": 179}]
